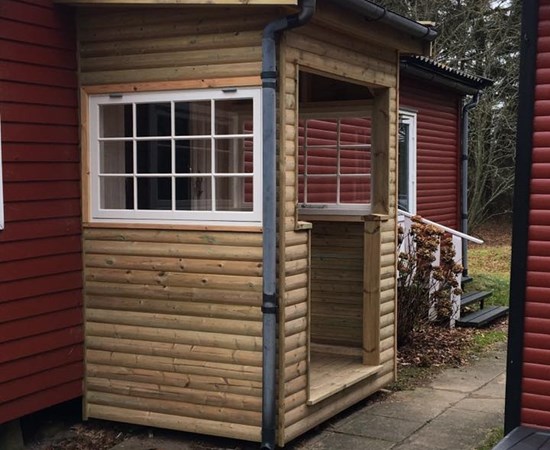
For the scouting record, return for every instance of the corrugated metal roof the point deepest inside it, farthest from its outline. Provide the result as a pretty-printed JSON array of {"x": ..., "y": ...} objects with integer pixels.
[{"x": 459, "y": 77}]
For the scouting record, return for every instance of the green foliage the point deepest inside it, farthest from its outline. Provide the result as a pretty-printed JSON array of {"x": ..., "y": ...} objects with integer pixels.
[
  {"x": 490, "y": 269},
  {"x": 493, "y": 438}
]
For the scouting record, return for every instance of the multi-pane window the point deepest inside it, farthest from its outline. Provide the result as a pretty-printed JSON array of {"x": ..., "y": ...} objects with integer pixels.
[
  {"x": 407, "y": 162},
  {"x": 335, "y": 163},
  {"x": 176, "y": 156}
]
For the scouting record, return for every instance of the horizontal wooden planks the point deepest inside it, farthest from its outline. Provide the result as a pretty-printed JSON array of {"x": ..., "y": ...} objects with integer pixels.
[
  {"x": 170, "y": 44},
  {"x": 40, "y": 247},
  {"x": 174, "y": 325},
  {"x": 535, "y": 401},
  {"x": 438, "y": 149}
]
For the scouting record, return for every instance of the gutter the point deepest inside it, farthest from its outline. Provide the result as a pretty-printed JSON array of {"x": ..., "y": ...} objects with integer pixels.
[
  {"x": 270, "y": 302},
  {"x": 377, "y": 13},
  {"x": 464, "y": 177}
]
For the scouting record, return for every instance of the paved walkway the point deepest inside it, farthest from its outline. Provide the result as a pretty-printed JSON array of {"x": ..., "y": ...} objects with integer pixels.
[{"x": 454, "y": 412}]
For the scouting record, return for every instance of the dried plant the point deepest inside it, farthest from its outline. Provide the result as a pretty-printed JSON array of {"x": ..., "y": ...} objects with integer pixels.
[{"x": 425, "y": 288}]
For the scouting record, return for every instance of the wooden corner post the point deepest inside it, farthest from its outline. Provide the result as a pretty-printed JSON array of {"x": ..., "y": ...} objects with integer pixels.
[
  {"x": 371, "y": 290},
  {"x": 380, "y": 150}
]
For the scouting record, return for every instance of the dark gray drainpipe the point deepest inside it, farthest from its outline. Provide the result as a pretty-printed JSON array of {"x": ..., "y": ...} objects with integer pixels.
[
  {"x": 269, "y": 306},
  {"x": 464, "y": 178}
]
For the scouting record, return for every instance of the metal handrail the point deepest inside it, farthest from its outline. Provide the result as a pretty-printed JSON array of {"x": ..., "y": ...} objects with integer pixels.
[{"x": 443, "y": 227}]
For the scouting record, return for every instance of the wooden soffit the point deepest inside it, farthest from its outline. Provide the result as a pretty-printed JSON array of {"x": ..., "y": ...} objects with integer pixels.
[{"x": 178, "y": 2}]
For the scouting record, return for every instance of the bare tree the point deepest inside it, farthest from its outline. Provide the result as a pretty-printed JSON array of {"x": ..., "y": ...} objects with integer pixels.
[{"x": 481, "y": 37}]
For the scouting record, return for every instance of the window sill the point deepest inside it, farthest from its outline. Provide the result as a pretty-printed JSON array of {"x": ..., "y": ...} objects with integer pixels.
[
  {"x": 343, "y": 218},
  {"x": 168, "y": 226}
]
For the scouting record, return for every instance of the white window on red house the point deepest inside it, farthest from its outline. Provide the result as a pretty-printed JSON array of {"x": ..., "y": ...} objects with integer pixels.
[
  {"x": 183, "y": 156},
  {"x": 407, "y": 162},
  {"x": 335, "y": 164}
]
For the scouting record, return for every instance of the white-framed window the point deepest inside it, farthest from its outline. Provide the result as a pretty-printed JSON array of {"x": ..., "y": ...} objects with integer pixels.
[
  {"x": 334, "y": 174},
  {"x": 176, "y": 156},
  {"x": 1, "y": 182},
  {"x": 407, "y": 162}
]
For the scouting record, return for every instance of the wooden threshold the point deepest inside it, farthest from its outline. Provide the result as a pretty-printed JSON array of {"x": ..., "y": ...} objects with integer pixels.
[{"x": 331, "y": 373}]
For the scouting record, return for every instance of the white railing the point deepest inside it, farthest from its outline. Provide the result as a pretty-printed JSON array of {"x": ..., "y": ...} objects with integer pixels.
[{"x": 406, "y": 219}]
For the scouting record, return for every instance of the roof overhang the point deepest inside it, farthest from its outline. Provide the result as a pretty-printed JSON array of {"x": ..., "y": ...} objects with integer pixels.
[
  {"x": 368, "y": 10},
  {"x": 426, "y": 69}
]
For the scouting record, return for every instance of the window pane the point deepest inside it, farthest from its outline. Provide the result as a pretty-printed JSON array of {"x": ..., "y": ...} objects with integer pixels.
[
  {"x": 355, "y": 161},
  {"x": 194, "y": 194},
  {"x": 154, "y": 193},
  {"x": 116, "y": 193},
  {"x": 231, "y": 114},
  {"x": 231, "y": 194},
  {"x": 153, "y": 119},
  {"x": 193, "y": 118},
  {"x": 322, "y": 189},
  {"x": 322, "y": 160},
  {"x": 115, "y": 121},
  {"x": 116, "y": 157},
  {"x": 354, "y": 131},
  {"x": 231, "y": 155},
  {"x": 355, "y": 189},
  {"x": 154, "y": 157},
  {"x": 194, "y": 156},
  {"x": 403, "y": 189}
]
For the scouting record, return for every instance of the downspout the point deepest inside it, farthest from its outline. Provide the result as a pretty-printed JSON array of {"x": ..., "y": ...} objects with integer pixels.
[
  {"x": 270, "y": 302},
  {"x": 464, "y": 177}
]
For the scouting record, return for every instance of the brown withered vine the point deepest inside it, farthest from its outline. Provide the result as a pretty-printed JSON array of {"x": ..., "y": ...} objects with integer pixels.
[{"x": 424, "y": 289}]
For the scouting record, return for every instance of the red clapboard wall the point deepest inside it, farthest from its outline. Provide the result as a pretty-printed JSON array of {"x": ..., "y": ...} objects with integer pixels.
[
  {"x": 438, "y": 149},
  {"x": 535, "y": 400},
  {"x": 40, "y": 247}
]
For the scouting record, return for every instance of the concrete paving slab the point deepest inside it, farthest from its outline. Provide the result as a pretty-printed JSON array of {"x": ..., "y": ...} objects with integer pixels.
[
  {"x": 339, "y": 441},
  {"x": 455, "y": 429},
  {"x": 379, "y": 427},
  {"x": 488, "y": 405},
  {"x": 494, "y": 389},
  {"x": 467, "y": 379},
  {"x": 420, "y": 404}
]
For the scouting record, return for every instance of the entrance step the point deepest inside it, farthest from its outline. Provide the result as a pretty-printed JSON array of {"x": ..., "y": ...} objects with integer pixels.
[
  {"x": 482, "y": 317},
  {"x": 473, "y": 297}
]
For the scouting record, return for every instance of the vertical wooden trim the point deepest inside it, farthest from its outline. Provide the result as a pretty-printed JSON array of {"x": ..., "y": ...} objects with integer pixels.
[
  {"x": 380, "y": 142},
  {"x": 85, "y": 205},
  {"x": 84, "y": 155},
  {"x": 371, "y": 291},
  {"x": 281, "y": 239}
]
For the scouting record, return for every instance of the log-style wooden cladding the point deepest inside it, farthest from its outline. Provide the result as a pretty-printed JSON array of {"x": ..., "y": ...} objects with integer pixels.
[
  {"x": 173, "y": 315},
  {"x": 173, "y": 327}
]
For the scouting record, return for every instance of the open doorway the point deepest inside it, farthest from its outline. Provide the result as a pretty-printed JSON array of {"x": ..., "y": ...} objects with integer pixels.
[{"x": 336, "y": 184}]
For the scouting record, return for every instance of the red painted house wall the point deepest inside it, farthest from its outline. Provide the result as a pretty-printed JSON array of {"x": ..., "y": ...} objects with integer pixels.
[
  {"x": 438, "y": 149},
  {"x": 535, "y": 399},
  {"x": 40, "y": 247}
]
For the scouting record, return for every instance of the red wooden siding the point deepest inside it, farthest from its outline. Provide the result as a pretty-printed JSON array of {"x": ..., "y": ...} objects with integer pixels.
[
  {"x": 535, "y": 400},
  {"x": 40, "y": 247},
  {"x": 438, "y": 149}
]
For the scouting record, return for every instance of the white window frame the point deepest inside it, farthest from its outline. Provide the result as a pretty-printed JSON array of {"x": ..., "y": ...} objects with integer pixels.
[
  {"x": 334, "y": 208},
  {"x": 410, "y": 118},
  {"x": 1, "y": 182},
  {"x": 98, "y": 214}
]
